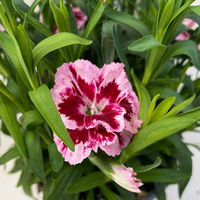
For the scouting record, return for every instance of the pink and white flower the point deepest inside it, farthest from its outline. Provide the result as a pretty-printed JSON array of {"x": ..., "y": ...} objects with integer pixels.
[
  {"x": 189, "y": 23},
  {"x": 80, "y": 16},
  {"x": 97, "y": 106},
  {"x": 125, "y": 177}
]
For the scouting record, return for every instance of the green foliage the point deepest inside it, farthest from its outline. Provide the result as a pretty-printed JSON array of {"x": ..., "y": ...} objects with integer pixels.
[{"x": 140, "y": 34}]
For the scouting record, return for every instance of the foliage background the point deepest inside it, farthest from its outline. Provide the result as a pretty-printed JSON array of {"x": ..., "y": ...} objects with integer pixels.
[{"x": 191, "y": 190}]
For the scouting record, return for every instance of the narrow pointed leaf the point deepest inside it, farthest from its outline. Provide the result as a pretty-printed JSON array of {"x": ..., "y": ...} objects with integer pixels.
[
  {"x": 88, "y": 182},
  {"x": 164, "y": 175},
  {"x": 9, "y": 155},
  {"x": 9, "y": 119},
  {"x": 54, "y": 42},
  {"x": 154, "y": 133},
  {"x": 55, "y": 158},
  {"x": 35, "y": 158},
  {"x": 145, "y": 43},
  {"x": 179, "y": 107},
  {"x": 162, "y": 108}
]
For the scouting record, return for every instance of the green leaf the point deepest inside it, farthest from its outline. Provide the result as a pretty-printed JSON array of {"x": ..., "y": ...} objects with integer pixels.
[
  {"x": 35, "y": 159},
  {"x": 195, "y": 9},
  {"x": 164, "y": 175},
  {"x": 160, "y": 191},
  {"x": 61, "y": 183},
  {"x": 179, "y": 107},
  {"x": 55, "y": 158},
  {"x": 60, "y": 16},
  {"x": 11, "y": 48},
  {"x": 109, "y": 194},
  {"x": 42, "y": 99},
  {"x": 10, "y": 96},
  {"x": 90, "y": 195},
  {"x": 9, "y": 155},
  {"x": 166, "y": 14},
  {"x": 25, "y": 46},
  {"x": 186, "y": 47},
  {"x": 126, "y": 19},
  {"x": 107, "y": 44},
  {"x": 192, "y": 114},
  {"x": 184, "y": 157},
  {"x": 22, "y": 9},
  {"x": 88, "y": 182},
  {"x": 93, "y": 20},
  {"x": 9, "y": 119},
  {"x": 120, "y": 50},
  {"x": 154, "y": 133},
  {"x": 149, "y": 167},
  {"x": 54, "y": 42},
  {"x": 145, "y": 43},
  {"x": 162, "y": 108},
  {"x": 151, "y": 109},
  {"x": 144, "y": 97},
  {"x": 32, "y": 119}
]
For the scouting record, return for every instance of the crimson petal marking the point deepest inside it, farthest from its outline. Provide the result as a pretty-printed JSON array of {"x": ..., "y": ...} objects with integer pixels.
[
  {"x": 83, "y": 147},
  {"x": 85, "y": 75},
  {"x": 72, "y": 108},
  {"x": 102, "y": 137},
  {"x": 111, "y": 118},
  {"x": 110, "y": 92}
]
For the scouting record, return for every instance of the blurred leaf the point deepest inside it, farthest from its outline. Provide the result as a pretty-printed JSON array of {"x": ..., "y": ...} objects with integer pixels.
[
  {"x": 25, "y": 46},
  {"x": 42, "y": 99},
  {"x": 9, "y": 119},
  {"x": 164, "y": 175},
  {"x": 120, "y": 50},
  {"x": 93, "y": 20},
  {"x": 195, "y": 9},
  {"x": 149, "y": 167},
  {"x": 145, "y": 43},
  {"x": 9, "y": 155},
  {"x": 55, "y": 158},
  {"x": 192, "y": 114},
  {"x": 151, "y": 109},
  {"x": 22, "y": 9},
  {"x": 60, "y": 16},
  {"x": 144, "y": 97},
  {"x": 31, "y": 119},
  {"x": 109, "y": 194},
  {"x": 88, "y": 182},
  {"x": 90, "y": 195},
  {"x": 179, "y": 107},
  {"x": 11, "y": 48},
  {"x": 186, "y": 47},
  {"x": 160, "y": 191},
  {"x": 126, "y": 19},
  {"x": 35, "y": 158},
  {"x": 184, "y": 157},
  {"x": 54, "y": 42},
  {"x": 166, "y": 14},
  {"x": 154, "y": 132},
  {"x": 63, "y": 181},
  {"x": 162, "y": 108},
  {"x": 10, "y": 96},
  {"x": 107, "y": 44},
  {"x": 125, "y": 194}
]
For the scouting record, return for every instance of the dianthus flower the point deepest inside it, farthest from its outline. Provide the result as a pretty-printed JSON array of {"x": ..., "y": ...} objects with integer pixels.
[{"x": 97, "y": 106}]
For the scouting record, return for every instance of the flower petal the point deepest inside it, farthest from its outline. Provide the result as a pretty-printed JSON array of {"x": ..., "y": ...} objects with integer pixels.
[
  {"x": 72, "y": 110},
  {"x": 111, "y": 118},
  {"x": 83, "y": 147},
  {"x": 85, "y": 75},
  {"x": 183, "y": 36},
  {"x": 80, "y": 16},
  {"x": 125, "y": 177}
]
